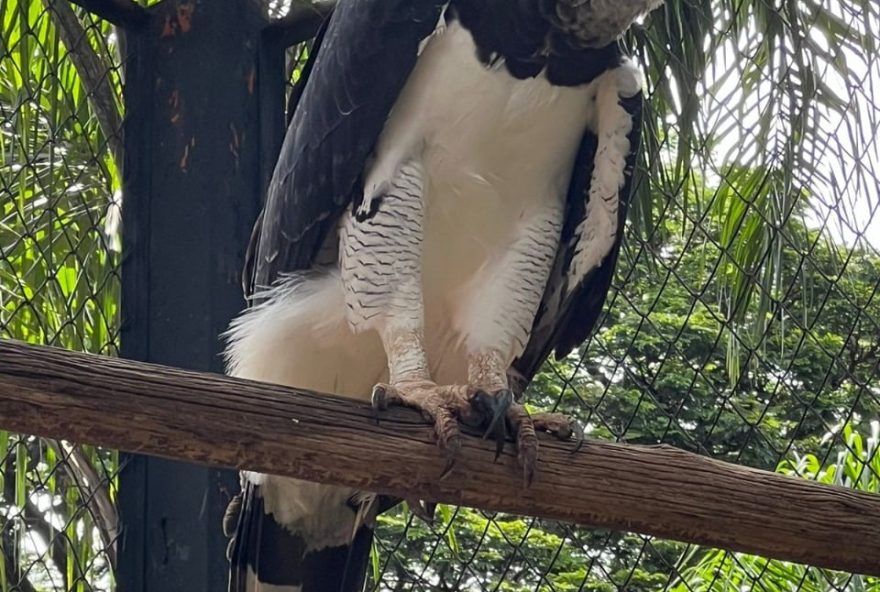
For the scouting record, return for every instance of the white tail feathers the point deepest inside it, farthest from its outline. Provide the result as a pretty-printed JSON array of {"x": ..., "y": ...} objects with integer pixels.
[{"x": 299, "y": 336}]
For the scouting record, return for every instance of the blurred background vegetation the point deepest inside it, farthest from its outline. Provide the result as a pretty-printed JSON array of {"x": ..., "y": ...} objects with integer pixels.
[{"x": 743, "y": 324}]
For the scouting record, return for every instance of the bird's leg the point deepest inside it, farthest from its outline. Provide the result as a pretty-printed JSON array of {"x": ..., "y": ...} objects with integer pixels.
[
  {"x": 381, "y": 245},
  {"x": 497, "y": 327},
  {"x": 499, "y": 321},
  {"x": 495, "y": 403},
  {"x": 410, "y": 384},
  {"x": 611, "y": 123},
  {"x": 487, "y": 368}
]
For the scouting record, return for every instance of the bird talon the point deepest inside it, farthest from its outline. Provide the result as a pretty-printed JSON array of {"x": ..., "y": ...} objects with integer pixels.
[
  {"x": 378, "y": 398},
  {"x": 561, "y": 426},
  {"x": 439, "y": 404},
  {"x": 529, "y": 460},
  {"x": 378, "y": 401},
  {"x": 450, "y": 463},
  {"x": 579, "y": 436},
  {"x": 497, "y": 405},
  {"x": 499, "y": 448},
  {"x": 528, "y": 475}
]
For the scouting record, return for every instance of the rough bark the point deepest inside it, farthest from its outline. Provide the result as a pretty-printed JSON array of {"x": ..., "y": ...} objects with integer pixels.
[{"x": 217, "y": 420}]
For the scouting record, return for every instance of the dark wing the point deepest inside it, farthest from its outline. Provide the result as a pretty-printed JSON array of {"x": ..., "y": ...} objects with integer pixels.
[
  {"x": 358, "y": 69},
  {"x": 248, "y": 276},
  {"x": 568, "y": 313}
]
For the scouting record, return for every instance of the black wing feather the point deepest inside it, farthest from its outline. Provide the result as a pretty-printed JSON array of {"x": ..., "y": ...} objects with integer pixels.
[
  {"x": 368, "y": 51},
  {"x": 278, "y": 557},
  {"x": 248, "y": 276},
  {"x": 568, "y": 314}
]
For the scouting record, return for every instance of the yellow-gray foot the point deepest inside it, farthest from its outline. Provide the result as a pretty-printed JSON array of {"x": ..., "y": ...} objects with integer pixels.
[
  {"x": 444, "y": 405},
  {"x": 493, "y": 413},
  {"x": 526, "y": 426}
]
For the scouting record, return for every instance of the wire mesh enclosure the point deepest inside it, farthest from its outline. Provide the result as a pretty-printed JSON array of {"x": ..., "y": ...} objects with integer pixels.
[
  {"x": 59, "y": 282},
  {"x": 743, "y": 323}
]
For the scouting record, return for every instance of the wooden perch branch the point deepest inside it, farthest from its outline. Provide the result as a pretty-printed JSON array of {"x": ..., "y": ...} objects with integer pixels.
[
  {"x": 216, "y": 420},
  {"x": 122, "y": 13}
]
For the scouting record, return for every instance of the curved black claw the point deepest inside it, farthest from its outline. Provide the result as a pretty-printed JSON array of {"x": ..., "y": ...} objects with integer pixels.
[
  {"x": 577, "y": 431},
  {"x": 450, "y": 443},
  {"x": 494, "y": 405},
  {"x": 526, "y": 441},
  {"x": 526, "y": 426},
  {"x": 378, "y": 401},
  {"x": 447, "y": 468}
]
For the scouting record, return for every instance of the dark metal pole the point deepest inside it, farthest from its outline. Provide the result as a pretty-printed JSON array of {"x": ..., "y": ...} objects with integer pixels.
[{"x": 204, "y": 121}]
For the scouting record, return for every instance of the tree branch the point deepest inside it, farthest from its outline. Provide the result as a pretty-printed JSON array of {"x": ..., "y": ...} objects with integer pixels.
[
  {"x": 221, "y": 421},
  {"x": 122, "y": 13},
  {"x": 93, "y": 71}
]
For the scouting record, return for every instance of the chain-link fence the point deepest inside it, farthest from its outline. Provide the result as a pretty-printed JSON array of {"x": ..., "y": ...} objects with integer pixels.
[
  {"x": 60, "y": 145},
  {"x": 743, "y": 323}
]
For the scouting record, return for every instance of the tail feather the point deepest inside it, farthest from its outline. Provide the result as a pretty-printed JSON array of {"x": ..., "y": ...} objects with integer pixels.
[
  {"x": 290, "y": 535},
  {"x": 266, "y": 556},
  {"x": 299, "y": 336}
]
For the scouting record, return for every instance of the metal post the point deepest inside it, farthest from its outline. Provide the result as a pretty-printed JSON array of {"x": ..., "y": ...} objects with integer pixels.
[{"x": 204, "y": 122}]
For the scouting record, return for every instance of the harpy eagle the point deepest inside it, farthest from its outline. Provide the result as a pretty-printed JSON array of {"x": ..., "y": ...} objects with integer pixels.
[{"x": 446, "y": 210}]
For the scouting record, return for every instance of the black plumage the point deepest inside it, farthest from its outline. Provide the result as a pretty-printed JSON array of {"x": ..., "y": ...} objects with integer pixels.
[
  {"x": 357, "y": 74},
  {"x": 527, "y": 37}
]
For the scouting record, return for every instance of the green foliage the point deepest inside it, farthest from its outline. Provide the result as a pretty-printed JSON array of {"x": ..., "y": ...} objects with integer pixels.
[
  {"x": 58, "y": 285},
  {"x": 57, "y": 270},
  {"x": 857, "y": 467},
  {"x": 736, "y": 328},
  {"x": 748, "y": 93},
  {"x": 656, "y": 371}
]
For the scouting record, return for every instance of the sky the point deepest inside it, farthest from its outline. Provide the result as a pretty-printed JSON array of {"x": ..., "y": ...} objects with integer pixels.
[{"x": 843, "y": 155}]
